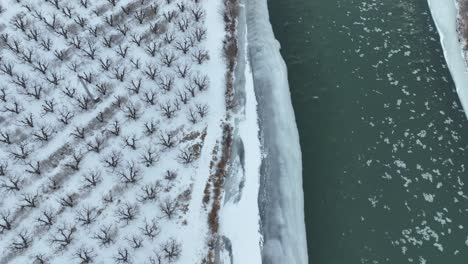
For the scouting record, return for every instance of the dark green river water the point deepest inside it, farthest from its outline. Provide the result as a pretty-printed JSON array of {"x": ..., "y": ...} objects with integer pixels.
[{"x": 382, "y": 131}]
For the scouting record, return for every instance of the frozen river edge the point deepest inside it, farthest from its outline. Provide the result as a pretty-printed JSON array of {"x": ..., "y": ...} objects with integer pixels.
[
  {"x": 281, "y": 199},
  {"x": 444, "y": 14}
]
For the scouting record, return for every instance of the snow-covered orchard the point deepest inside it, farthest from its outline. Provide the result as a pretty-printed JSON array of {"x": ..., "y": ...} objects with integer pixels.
[{"x": 112, "y": 114}]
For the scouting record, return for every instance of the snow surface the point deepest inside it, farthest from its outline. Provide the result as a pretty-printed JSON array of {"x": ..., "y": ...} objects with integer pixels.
[
  {"x": 280, "y": 199},
  {"x": 445, "y": 17},
  {"x": 240, "y": 219}
]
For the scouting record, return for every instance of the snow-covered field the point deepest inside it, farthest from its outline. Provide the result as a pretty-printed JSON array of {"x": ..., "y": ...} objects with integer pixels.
[
  {"x": 445, "y": 15},
  {"x": 110, "y": 111}
]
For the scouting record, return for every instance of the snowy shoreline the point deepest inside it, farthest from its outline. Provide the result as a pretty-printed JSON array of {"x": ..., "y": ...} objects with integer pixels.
[
  {"x": 445, "y": 19},
  {"x": 280, "y": 198}
]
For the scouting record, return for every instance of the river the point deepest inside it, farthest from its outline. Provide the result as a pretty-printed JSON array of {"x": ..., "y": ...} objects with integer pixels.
[{"x": 383, "y": 134}]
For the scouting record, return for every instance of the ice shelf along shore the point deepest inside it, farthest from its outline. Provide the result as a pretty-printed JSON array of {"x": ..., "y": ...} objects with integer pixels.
[
  {"x": 280, "y": 199},
  {"x": 445, "y": 18}
]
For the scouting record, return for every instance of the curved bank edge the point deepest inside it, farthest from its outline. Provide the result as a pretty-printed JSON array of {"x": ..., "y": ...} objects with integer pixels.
[
  {"x": 444, "y": 14},
  {"x": 281, "y": 199}
]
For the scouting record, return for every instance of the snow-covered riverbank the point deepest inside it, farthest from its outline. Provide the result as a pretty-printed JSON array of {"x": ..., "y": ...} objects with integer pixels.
[
  {"x": 445, "y": 18},
  {"x": 280, "y": 198}
]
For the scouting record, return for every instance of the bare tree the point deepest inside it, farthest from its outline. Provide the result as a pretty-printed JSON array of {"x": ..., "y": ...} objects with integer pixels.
[
  {"x": 202, "y": 110},
  {"x": 46, "y": 44},
  {"x": 84, "y": 3},
  {"x": 192, "y": 115},
  {"x": 112, "y": 160},
  {"x": 28, "y": 120},
  {"x": 149, "y": 96},
  {"x": 105, "y": 235},
  {"x": 151, "y": 71},
  {"x": 87, "y": 77},
  {"x": 70, "y": 92},
  {"x": 65, "y": 116},
  {"x": 43, "y": 134},
  {"x": 135, "y": 86},
  {"x": 6, "y": 68},
  {"x": 135, "y": 241},
  {"x": 130, "y": 141},
  {"x": 122, "y": 51},
  {"x": 140, "y": 15},
  {"x": 10, "y": 183},
  {"x": 169, "y": 15},
  {"x": 105, "y": 65},
  {"x": 67, "y": 11},
  {"x": 69, "y": 200},
  {"x": 150, "y": 229},
  {"x": 64, "y": 236},
  {"x": 168, "y": 109},
  {"x": 6, "y": 221},
  {"x": 22, "y": 241},
  {"x": 197, "y": 13},
  {"x": 103, "y": 88},
  {"x": 187, "y": 155},
  {"x": 149, "y": 156},
  {"x": 191, "y": 88},
  {"x": 132, "y": 111},
  {"x": 167, "y": 139},
  {"x": 137, "y": 39},
  {"x": 150, "y": 127},
  {"x": 5, "y": 137},
  {"x": 114, "y": 129},
  {"x": 3, "y": 168},
  {"x": 169, "y": 37},
  {"x": 152, "y": 48},
  {"x": 149, "y": 192},
  {"x": 167, "y": 58},
  {"x": 182, "y": 70},
  {"x": 3, "y": 95},
  {"x": 35, "y": 92},
  {"x": 169, "y": 207},
  {"x": 112, "y": 2},
  {"x": 60, "y": 55},
  {"x": 29, "y": 200},
  {"x": 83, "y": 102},
  {"x": 122, "y": 256},
  {"x": 84, "y": 255},
  {"x": 199, "y": 34},
  {"x": 127, "y": 212},
  {"x": 119, "y": 73},
  {"x": 19, "y": 22},
  {"x": 78, "y": 133},
  {"x": 166, "y": 82},
  {"x": 172, "y": 250},
  {"x": 86, "y": 215},
  {"x": 92, "y": 179},
  {"x": 20, "y": 151},
  {"x": 14, "y": 107},
  {"x": 200, "y": 56},
  {"x": 96, "y": 144},
  {"x": 183, "y": 24},
  {"x": 108, "y": 41},
  {"x": 34, "y": 168},
  {"x": 131, "y": 173},
  {"x": 81, "y": 21},
  {"x": 90, "y": 50},
  {"x": 201, "y": 81},
  {"x": 170, "y": 175},
  {"x": 49, "y": 106},
  {"x": 135, "y": 63},
  {"x": 46, "y": 218},
  {"x": 75, "y": 161}
]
